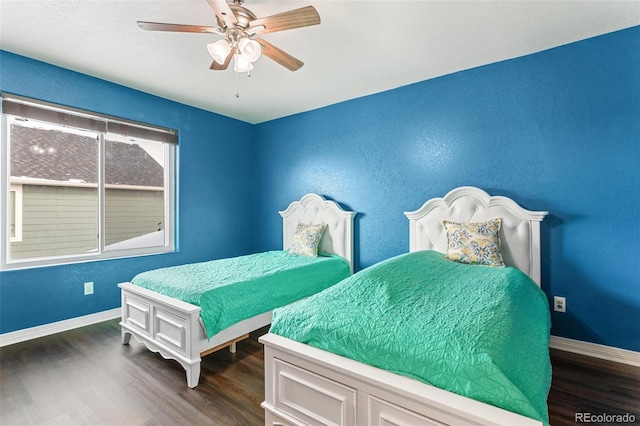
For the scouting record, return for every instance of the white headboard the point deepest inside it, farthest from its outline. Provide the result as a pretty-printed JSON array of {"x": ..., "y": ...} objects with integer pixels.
[
  {"x": 519, "y": 235},
  {"x": 314, "y": 209}
]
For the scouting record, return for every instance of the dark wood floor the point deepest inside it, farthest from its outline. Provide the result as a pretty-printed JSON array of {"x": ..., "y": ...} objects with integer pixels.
[
  {"x": 85, "y": 377},
  {"x": 583, "y": 384}
]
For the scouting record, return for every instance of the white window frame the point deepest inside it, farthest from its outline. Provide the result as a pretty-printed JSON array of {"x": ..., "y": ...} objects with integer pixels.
[
  {"x": 170, "y": 155},
  {"x": 17, "y": 213}
]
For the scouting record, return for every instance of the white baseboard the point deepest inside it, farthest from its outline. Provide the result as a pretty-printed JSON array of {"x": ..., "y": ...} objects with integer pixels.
[
  {"x": 609, "y": 353},
  {"x": 57, "y": 327}
]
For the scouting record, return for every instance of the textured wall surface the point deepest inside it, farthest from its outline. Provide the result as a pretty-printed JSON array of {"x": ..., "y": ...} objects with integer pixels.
[
  {"x": 214, "y": 194},
  {"x": 557, "y": 131}
]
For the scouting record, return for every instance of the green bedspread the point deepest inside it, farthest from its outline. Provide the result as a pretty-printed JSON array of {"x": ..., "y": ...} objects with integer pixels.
[
  {"x": 476, "y": 331},
  {"x": 231, "y": 290}
]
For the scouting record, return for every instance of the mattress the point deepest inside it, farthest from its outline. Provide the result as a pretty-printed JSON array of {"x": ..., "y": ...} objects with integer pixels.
[
  {"x": 231, "y": 290},
  {"x": 476, "y": 331}
]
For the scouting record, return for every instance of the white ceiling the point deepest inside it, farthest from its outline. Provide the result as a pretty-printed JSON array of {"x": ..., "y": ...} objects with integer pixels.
[{"x": 361, "y": 47}]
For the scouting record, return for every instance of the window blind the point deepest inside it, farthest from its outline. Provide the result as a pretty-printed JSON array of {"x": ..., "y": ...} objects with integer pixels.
[{"x": 77, "y": 118}]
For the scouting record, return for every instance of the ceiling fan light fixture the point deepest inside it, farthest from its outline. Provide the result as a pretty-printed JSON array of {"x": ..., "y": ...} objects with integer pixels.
[
  {"x": 219, "y": 50},
  {"x": 241, "y": 64},
  {"x": 238, "y": 26},
  {"x": 250, "y": 49}
]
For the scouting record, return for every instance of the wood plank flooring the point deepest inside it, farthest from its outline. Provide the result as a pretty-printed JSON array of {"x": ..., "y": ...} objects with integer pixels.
[
  {"x": 86, "y": 377},
  {"x": 583, "y": 384}
]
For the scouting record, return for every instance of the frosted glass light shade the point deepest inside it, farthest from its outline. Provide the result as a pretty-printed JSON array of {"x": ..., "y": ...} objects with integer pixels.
[
  {"x": 250, "y": 49},
  {"x": 241, "y": 64},
  {"x": 219, "y": 50}
]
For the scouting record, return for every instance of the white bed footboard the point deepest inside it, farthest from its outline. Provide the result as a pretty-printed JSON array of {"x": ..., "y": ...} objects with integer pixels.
[
  {"x": 172, "y": 328},
  {"x": 308, "y": 386},
  {"x": 164, "y": 325}
]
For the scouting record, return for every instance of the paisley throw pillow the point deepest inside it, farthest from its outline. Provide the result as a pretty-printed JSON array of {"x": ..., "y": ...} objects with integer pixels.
[
  {"x": 306, "y": 239},
  {"x": 475, "y": 243}
]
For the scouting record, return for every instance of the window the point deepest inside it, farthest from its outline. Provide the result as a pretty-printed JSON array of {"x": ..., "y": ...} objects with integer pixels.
[{"x": 79, "y": 186}]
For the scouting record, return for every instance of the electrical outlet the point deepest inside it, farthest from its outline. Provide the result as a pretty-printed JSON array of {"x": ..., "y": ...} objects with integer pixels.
[
  {"x": 88, "y": 288},
  {"x": 559, "y": 304}
]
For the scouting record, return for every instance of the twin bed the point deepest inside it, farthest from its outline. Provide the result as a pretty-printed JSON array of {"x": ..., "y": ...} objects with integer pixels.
[
  {"x": 156, "y": 314},
  {"x": 416, "y": 339}
]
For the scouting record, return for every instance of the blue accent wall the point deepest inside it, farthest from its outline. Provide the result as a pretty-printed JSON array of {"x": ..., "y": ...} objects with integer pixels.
[
  {"x": 215, "y": 192},
  {"x": 558, "y": 130}
]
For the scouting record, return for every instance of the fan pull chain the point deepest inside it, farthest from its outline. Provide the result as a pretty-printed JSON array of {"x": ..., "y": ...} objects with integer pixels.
[{"x": 237, "y": 93}]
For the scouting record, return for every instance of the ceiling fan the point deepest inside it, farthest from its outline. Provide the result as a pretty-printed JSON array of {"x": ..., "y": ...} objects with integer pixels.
[{"x": 240, "y": 29}]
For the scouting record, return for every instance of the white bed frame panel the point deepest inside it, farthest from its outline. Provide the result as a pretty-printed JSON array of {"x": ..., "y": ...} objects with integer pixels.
[
  {"x": 308, "y": 386},
  {"x": 519, "y": 235},
  {"x": 172, "y": 327},
  {"x": 312, "y": 208}
]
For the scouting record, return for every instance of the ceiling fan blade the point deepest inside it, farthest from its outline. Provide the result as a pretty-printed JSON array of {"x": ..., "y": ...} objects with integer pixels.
[
  {"x": 221, "y": 67},
  {"x": 223, "y": 11},
  {"x": 180, "y": 28},
  {"x": 303, "y": 17},
  {"x": 255, "y": 30},
  {"x": 279, "y": 56}
]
